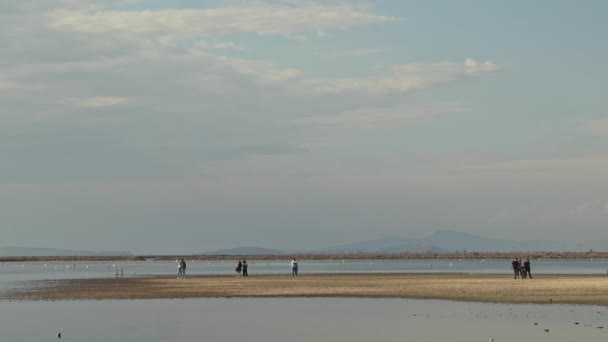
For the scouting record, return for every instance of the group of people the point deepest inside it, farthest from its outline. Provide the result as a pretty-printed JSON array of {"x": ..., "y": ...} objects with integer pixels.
[
  {"x": 521, "y": 269},
  {"x": 241, "y": 269}
]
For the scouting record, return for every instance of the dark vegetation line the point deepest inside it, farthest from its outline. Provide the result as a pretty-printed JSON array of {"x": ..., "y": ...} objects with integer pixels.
[{"x": 337, "y": 256}]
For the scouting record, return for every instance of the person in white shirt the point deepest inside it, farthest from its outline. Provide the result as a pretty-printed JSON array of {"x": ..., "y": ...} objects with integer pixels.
[
  {"x": 294, "y": 267},
  {"x": 181, "y": 269}
]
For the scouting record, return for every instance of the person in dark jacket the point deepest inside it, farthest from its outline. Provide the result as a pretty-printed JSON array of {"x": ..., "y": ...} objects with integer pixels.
[
  {"x": 245, "y": 274},
  {"x": 239, "y": 267},
  {"x": 516, "y": 267},
  {"x": 527, "y": 267}
]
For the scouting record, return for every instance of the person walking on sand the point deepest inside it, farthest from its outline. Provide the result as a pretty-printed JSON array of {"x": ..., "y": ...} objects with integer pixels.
[
  {"x": 238, "y": 269},
  {"x": 527, "y": 267},
  {"x": 245, "y": 274},
  {"x": 515, "y": 266},
  {"x": 294, "y": 267}
]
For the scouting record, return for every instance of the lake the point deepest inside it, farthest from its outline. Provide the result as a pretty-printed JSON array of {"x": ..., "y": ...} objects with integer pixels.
[
  {"x": 294, "y": 319},
  {"x": 299, "y": 320}
]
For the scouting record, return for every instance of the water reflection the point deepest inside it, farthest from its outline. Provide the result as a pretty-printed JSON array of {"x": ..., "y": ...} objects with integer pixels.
[{"x": 299, "y": 319}]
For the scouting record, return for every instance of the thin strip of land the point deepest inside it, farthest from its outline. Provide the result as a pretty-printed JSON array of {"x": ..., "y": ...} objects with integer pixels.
[
  {"x": 499, "y": 288},
  {"x": 321, "y": 256}
]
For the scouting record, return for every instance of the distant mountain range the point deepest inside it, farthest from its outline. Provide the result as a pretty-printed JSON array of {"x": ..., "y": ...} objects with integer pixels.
[
  {"x": 450, "y": 241},
  {"x": 34, "y": 251},
  {"x": 244, "y": 251},
  {"x": 438, "y": 242}
]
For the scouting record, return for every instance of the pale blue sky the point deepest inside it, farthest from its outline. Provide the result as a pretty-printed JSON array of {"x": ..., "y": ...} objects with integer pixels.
[{"x": 186, "y": 126}]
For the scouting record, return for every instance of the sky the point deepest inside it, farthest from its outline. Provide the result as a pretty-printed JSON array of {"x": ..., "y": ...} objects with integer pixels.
[{"x": 187, "y": 126}]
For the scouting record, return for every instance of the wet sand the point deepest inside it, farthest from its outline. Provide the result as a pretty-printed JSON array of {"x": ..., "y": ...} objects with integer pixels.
[{"x": 567, "y": 289}]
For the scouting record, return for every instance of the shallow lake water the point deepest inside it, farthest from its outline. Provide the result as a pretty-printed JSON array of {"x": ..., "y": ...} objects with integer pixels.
[
  {"x": 19, "y": 271},
  {"x": 298, "y": 320},
  {"x": 293, "y": 319}
]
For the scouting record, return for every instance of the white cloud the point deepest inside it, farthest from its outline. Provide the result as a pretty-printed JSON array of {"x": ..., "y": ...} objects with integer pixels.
[
  {"x": 10, "y": 85},
  {"x": 195, "y": 78},
  {"x": 473, "y": 67},
  {"x": 248, "y": 18},
  {"x": 220, "y": 46},
  {"x": 587, "y": 163},
  {"x": 358, "y": 52},
  {"x": 382, "y": 116},
  {"x": 404, "y": 78},
  {"x": 230, "y": 107},
  {"x": 400, "y": 79},
  {"x": 96, "y": 101}
]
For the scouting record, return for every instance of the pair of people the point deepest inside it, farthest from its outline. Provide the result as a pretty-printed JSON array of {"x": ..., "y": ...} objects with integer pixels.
[
  {"x": 181, "y": 269},
  {"x": 242, "y": 267},
  {"x": 521, "y": 269}
]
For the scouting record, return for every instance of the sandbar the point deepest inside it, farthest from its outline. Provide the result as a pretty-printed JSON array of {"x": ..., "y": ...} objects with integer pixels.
[{"x": 497, "y": 288}]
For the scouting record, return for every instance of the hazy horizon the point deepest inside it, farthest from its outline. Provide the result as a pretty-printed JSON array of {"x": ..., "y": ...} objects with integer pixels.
[{"x": 174, "y": 126}]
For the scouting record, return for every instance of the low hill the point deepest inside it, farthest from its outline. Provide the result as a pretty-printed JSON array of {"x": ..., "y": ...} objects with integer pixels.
[
  {"x": 451, "y": 241},
  {"x": 247, "y": 250},
  {"x": 36, "y": 251}
]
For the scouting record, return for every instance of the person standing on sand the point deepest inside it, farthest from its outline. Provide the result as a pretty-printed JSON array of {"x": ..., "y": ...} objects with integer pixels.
[
  {"x": 183, "y": 264},
  {"x": 294, "y": 267},
  {"x": 515, "y": 266},
  {"x": 238, "y": 269},
  {"x": 181, "y": 269},
  {"x": 527, "y": 267},
  {"x": 245, "y": 274}
]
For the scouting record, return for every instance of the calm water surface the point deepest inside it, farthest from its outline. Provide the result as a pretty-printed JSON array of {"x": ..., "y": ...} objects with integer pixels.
[
  {"x": 16, "y": 271},
  {"x": 294, "y": 319},
  {"x": 298, "y": 320}
]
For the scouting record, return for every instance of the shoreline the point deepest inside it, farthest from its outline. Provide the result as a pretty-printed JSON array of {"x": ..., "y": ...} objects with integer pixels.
[
  {"x": 322, "y": 256},
  {"x": 493, "y": 288}
]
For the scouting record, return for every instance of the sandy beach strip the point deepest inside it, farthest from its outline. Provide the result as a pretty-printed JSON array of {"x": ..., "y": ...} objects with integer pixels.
[{"x": 566, "y": 289}]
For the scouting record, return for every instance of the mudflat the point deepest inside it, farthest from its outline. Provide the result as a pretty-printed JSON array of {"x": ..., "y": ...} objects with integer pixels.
[{"x": 499, "y": 288}]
